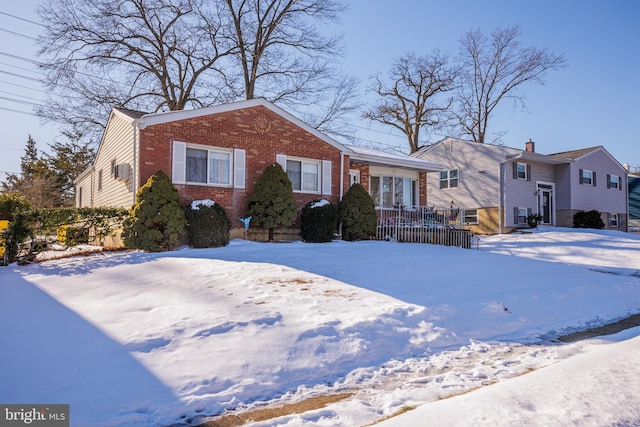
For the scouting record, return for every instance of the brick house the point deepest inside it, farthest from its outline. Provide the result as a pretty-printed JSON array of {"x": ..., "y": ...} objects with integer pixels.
[{"x": 219, "y": 153}]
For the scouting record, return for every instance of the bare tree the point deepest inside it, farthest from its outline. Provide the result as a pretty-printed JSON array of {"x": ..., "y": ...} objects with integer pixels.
[
  {"x": 141, "y": 54},
  {"x": 283, "y": 56},
  {"x": 493, "y": 67},
  {"x": 155, "y": 55},
  {"x": 415, "y": 97}
]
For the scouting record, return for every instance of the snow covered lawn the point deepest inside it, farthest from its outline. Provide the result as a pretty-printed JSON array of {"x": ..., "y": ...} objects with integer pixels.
[{"x": 130, "y": 338}]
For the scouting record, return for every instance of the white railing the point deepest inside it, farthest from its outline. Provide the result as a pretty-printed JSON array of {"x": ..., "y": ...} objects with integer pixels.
[{"x": 425, "y": 224}]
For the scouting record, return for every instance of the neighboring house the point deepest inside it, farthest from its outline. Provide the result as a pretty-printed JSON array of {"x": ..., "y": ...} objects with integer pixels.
[
  {"x": 634, "y": 201},
  {"x": 219, "y": 153},
  {"x": 500, "y": 187}
]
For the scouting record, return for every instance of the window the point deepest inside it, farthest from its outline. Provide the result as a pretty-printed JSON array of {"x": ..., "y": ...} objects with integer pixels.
[
  {"x": 307, "y": 175},
  {"x": 613, "y": 220},
  {"x": 208, "y": 166},
  {"x": 471, "y": 216},
  {"x": 100, "y": 180},
  {"x": 449, "y": 179},
  {"x": 200, "y": 164},
  {"x": 520, "y": 215},
  {"x": 304, "y": 175},
  {"x": 613, "y": 181},
  {"x": 393, "y": 191},
  {"x": 521, "y": 171},
  {"x": 587, "y": 177}
]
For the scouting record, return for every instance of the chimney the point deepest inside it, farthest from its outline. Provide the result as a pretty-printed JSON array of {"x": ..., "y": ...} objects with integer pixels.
[{"x": 530, "y": 146}]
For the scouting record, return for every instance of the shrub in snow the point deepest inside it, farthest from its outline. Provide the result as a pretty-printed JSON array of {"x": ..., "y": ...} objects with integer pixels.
[
  {"x": 589, "y": 219},
  {"x": 271, "y": 204},
  {"x": 319, "y": 221},
  {"x": 357, "y": 213},
  {"x": 157, "y": 221},
  {"x": 208, "y": 226},
  {"x": 16, "y": 209}
]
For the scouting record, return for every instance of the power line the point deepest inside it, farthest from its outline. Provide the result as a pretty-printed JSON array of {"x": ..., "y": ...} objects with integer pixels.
[
  {"x": 18, "y": 34},
  {"x": 18, "y": 111},
  {"x": 24, "y": 87},
  {"x": 21, "y": 96},
  {"x": 21, "y": 19}
]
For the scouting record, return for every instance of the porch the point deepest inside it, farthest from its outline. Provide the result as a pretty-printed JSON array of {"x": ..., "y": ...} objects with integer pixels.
[{"x": 426, "y": 224}]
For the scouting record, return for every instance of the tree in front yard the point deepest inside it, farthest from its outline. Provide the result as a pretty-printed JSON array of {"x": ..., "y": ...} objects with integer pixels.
[
  {"x": 157, "y": 222},
  {"x": 271, "y": 204},
  {"x": 357, "y": 213}
]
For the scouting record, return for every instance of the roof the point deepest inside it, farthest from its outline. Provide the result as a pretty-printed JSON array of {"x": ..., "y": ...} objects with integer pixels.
[
  {"x": 371, "y": 156},
  {"x": 134, "y": 114},
  {"x": 172, "y": 116},
  {"x": 509, "y": 153},
  {"x": 574, "y": 154}
]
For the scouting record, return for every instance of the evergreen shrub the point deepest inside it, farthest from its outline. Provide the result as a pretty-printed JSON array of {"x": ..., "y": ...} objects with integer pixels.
[
  {"x": 319, "y": 221},
  {"x": 157, "y": 221},
  {"x": 357, "y": 213},
  {"x": 208, "y": 227},
  {"x": 272, "y": 204},
  {"x": 588, "y": 219}
]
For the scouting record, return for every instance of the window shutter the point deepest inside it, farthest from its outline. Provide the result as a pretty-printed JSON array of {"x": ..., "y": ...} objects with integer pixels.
[
  {"x": 594, "y": 178},
  {"x": 178, "y": 167},
  {"x": 515, "y": 170},
  {"x": 620, "y": 184},
  {"x": 281, "y": 159},
  {"x": 239, "y": 168},
  {"x": 528, "y": 172},
  {"x": 529, "y": 212},
  {"x": 515, "y": 215},
  {"x": 580, "y": 178},
  {"x": 326, "y": 177},
  {"x": 608, "y": 181}
]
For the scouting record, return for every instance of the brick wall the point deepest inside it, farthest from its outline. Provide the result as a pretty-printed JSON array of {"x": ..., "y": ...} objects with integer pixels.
[{"x": 259, "y": 131}]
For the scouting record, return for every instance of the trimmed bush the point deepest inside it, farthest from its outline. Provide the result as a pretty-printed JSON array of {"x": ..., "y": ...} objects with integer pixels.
[
  {"x": 319, "y": 221},
  {"x": 357, "y": 213},
  {"x": 589, "y": 219},
  {"x": 16, "y": 209},
  {"x": 208, "y": 226},
  {"x": 157, "y": 222},
  {"x": 271, "y": 204}
]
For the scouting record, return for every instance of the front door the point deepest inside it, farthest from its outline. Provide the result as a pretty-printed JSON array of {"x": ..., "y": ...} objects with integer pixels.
[{"x": 546, "y": 203}]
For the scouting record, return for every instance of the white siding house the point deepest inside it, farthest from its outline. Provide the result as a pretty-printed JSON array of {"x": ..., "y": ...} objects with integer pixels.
[{"x": 500, "y": 187}]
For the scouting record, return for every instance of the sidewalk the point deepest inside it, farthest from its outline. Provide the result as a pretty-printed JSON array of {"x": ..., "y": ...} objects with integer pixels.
[{"x": 609, "y": 329}]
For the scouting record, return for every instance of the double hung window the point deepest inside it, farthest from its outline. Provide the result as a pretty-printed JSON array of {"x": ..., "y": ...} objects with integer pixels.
[
  {"x": 304, "y": 175},
  {"x": 208, "y": 166},
  {"x": 449, "y": 179}
]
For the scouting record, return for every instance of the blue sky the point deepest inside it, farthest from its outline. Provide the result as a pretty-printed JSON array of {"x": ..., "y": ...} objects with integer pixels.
[{"x": 593, "y": 101}]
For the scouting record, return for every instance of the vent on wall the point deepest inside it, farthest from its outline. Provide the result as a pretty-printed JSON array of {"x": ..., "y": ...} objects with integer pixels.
[{"x": 122, "y": 171}]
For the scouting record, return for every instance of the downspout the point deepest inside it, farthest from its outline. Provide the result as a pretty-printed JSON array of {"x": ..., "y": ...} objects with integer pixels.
[
  {"x": 501, "y": 208},
  {"x": 134, "y": 169},
  {"x": 341, "y": 174}
]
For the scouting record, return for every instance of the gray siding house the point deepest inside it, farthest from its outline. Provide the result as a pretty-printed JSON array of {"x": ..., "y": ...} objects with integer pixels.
[{"x": 500, "y": 187}]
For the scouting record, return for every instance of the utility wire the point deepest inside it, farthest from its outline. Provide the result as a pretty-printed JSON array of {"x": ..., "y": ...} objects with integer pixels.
[{"x": 21, "y": 19}]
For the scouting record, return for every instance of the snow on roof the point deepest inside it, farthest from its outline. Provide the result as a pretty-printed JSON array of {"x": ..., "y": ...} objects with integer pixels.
[{"x": 383, "y": 158}]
